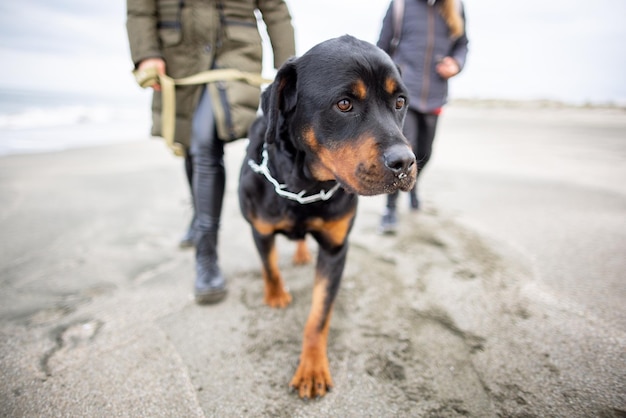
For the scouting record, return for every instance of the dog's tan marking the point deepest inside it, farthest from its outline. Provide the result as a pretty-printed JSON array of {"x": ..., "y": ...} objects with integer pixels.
[
  {"x": 267, "y": 228},
  {"x": 359, "y": 90},
  {"x": 342, "y": 161},
  {"x": 276, "y": 295},
  {"x": 391, "y": 85},
  {"x": 336, "y": 230},
  {"x": 312, "y": 378},
  {"x": 302, "y": 254}
]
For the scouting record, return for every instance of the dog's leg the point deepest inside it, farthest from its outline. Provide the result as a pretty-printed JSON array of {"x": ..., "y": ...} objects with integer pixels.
[
  {"x": 302, "y": 254},
  {"x": 276, "y": 295},
  {"x": 312, "y": 378}
]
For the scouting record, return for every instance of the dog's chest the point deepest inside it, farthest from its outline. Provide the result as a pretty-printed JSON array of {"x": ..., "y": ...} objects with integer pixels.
[{"x": 296, "y": 226}]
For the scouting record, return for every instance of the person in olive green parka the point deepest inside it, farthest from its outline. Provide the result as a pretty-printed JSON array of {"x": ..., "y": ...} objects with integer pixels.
[{"x": 184, "y": 37}]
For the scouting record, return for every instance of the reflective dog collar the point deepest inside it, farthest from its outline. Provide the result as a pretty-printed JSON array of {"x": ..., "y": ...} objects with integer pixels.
[{"x": 280, "y": 188}]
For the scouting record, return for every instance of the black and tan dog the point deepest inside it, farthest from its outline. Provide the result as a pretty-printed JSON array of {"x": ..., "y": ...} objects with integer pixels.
[{"x": 331, "y": 130}]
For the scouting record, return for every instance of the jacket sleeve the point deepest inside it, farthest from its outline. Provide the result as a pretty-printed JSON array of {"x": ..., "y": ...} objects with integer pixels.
[
  {"x": 279, "y": 28},
  {"x": 141, "y": 25},
  {"x": 459, "y": 47},
  {"x": 386, "y": 31}
]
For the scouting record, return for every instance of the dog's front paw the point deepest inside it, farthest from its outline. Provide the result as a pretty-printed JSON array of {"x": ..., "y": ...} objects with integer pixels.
[{"x": 312, "y": 379}]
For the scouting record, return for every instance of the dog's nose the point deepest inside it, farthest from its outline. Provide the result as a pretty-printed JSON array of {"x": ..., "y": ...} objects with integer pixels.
[{"x": 399, "y": 159}]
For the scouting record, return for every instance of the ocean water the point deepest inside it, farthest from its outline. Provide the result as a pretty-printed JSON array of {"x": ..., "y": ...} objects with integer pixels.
[{"x": 34, "y": 121}]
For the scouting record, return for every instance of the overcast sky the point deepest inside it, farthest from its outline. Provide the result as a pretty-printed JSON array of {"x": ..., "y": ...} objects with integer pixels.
[{"x": 564, "y": 50}]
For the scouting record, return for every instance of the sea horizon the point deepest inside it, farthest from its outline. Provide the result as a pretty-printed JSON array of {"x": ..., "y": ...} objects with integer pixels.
[{"x": 37, "y": 121}]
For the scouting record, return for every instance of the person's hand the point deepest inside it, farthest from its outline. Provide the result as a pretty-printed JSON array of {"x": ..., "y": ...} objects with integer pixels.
[
  {"x": 157, "y": 63},
  {"x": 447, "y": 68}
]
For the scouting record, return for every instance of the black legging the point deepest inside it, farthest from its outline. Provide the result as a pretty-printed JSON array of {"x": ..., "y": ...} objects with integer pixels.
[
  {"x": 419, "y": 129},
  {"x": 208, "y": 176}
]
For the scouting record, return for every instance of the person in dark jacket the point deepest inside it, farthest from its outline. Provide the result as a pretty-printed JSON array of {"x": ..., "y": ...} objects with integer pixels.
[
  {"x": 184, "y": 37},
  {"x": 427, "y": 39}
]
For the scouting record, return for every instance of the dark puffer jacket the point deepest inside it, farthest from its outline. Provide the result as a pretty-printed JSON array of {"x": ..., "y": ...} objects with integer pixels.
[
  {"x": 425, "y": 40},
  {"x": 198, "y": 35}
]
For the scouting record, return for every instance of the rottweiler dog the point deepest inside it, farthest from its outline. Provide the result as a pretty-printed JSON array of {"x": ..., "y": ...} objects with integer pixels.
[{"x": 331, "y": 129}]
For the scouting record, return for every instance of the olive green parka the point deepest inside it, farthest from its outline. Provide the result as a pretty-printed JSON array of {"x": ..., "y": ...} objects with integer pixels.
[{"x": 198, "y": 35}]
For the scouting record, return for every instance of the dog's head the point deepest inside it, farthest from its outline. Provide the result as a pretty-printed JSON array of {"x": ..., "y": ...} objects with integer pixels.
[{"x": 343, "y": 103}]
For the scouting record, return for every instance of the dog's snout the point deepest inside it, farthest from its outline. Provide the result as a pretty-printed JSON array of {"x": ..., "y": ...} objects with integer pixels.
[{"x": 399, "y": 159}]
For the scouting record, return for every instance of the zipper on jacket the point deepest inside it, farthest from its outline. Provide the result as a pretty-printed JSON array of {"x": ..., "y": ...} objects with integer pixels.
[
  {"x": 430, "y": 45},
  {"x": 173, "y": 24},
  {"x": 220, "y": 11}
]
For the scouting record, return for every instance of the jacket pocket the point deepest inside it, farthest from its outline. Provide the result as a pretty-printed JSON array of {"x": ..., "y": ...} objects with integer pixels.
[
  {"x": 241, "y": 47},
  {"x": 169, "y": 23},
  {"x": 242, "y": 32}
]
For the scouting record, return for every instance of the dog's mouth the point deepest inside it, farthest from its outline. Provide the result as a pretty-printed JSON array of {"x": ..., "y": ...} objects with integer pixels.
[
  {"x": 403, "y": 182},
  {"x": 380, "y": 180}
]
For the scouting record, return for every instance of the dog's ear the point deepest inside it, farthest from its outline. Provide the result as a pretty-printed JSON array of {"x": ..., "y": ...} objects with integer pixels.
[{"x": 279, "y": 99}]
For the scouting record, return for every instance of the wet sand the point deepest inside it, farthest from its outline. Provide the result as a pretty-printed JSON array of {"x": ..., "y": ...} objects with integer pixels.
[{"x": 97, "y": 316}]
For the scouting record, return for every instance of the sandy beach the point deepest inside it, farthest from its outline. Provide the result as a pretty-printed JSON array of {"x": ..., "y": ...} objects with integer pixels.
[{"x": 503, "y": 297}]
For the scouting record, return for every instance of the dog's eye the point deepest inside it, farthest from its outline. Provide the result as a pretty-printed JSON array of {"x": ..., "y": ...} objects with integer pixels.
[
  {"x": 344, "y": 105},
  {"x": 400, "y": 102}
]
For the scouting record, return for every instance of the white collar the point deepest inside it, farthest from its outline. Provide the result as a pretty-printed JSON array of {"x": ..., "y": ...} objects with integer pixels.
[{"x": 280, "y": 188}]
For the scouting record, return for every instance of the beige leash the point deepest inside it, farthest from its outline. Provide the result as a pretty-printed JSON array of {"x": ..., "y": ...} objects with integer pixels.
[{"x": 149, "y": 76}]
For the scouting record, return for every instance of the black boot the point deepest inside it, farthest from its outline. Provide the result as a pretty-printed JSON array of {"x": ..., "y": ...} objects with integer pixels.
[
  {"x": 414, "y": 200},
  {"x": 389, "y": 220},
  {"x": 208, "y": 183},
  {"x": 210, "y": 285},
  {"x": 188, "y": 240}
]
